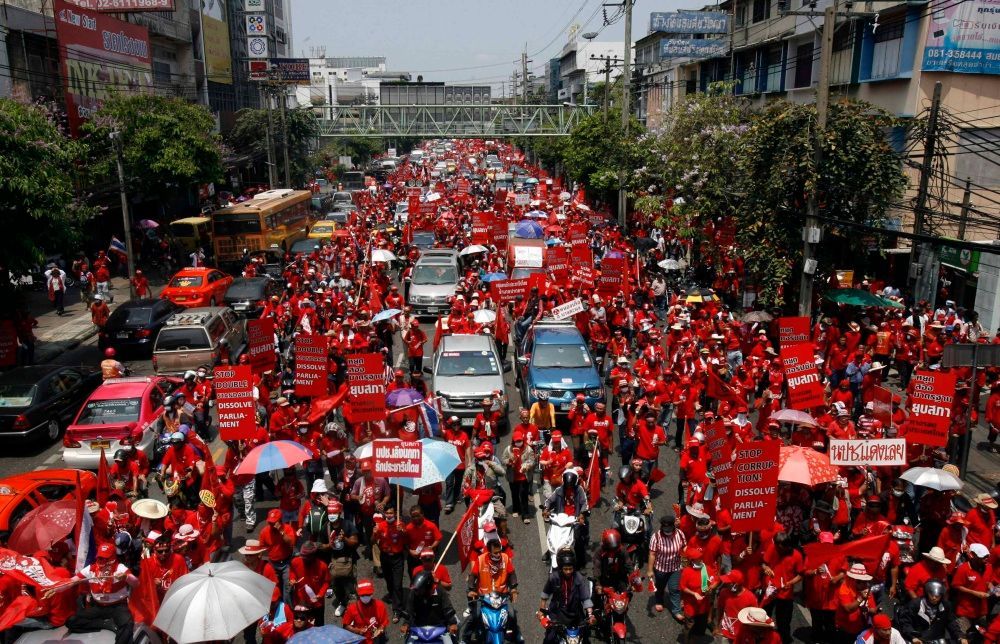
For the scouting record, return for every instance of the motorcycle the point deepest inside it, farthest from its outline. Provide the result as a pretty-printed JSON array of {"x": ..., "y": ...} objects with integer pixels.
[
  {"x": 428, "y": 635},
  {"x": 494, "y": 611},
  {"x": 561, "y": 535},
  {"x": 613, "y": 620},
  {"x": 564, "y": 634},
  {"x": 632, "y": 525}
]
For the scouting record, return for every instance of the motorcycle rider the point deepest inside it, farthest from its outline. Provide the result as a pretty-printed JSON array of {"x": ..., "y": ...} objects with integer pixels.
[
  {"x": 110, "y": 367},
  {"x": 570, "y": 498},
  {"x": 632, "y": 493},
  {"x": 427, "y": 605},
  {"x": 493, "y": 572},
  {"x": 929, "y": 618},
  {"x": 566, "y": 599},
  {"x": 611, "y": 565}
]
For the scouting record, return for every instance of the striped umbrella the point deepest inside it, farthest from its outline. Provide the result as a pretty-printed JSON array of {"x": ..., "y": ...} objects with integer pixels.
[{"x": 276, "y": 455}]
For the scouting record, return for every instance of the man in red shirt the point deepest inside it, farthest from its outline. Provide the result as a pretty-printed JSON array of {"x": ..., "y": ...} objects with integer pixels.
[
  {"x": 421, "y": 534},
  {"x": 454, "y": 434},
  {"x": 783, "y": 566},
  {"x": 367, "y": 616},
  {"x": 278, "y": 539},
  {"x": 650, "y": 437},
  {"x": 733, "y": 597},
  {"x": 391, "y": 537},
  {"x": 156, "y": 575},
  {"x": 971, "y": 587},
  {"x": 554, "y": 459},
  {"x": 290, "y": 493},
  {"x": 414, "y": 337},
  {"x": 308, "y": 579},
  {"x": 486, "y": 427}
]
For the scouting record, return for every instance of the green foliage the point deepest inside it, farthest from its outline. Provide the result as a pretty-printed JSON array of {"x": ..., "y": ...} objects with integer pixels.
[
  {"x": 361, "y": 149},
  {"x": 38, "y": 172},
  {"x": 598, "y": 152},
  {"x": 548, "y": 150},
  {"x": 167, "y": 144},
  {"x": 248, "y": 137}
]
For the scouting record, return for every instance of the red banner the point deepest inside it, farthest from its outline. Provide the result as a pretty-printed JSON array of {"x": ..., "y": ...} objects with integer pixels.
[
  {"x": 310, "y": 365},
  {"x": 931, "y": 402},
  {"x": 585, "y": 275},
  {"x": 8, "y": 343},
  {"x": 793, "y": 331},
  {"x": 260, "y": 344},
  {"x": 482, "y": 228},
  {"x": 235, "y": 403},
  {"x": 805, "y": 390},
  {"x": 413, "y": 204},
  {"x": 580, "y": 253},
  {"x": 557, "y": 262},
  {"x": 498, "y": 227},
  {"x": 392, "y": 458},
  {"x": 428, "y": 207},
  {"x": 613, "y": 277},
  {"x": 720, "y": 452},
  {"x": 100, "y": 56},
  {"x": 754, "y": 488},
  {"x": 366, "y": 382},
  {"x": 504, "y": 291}
]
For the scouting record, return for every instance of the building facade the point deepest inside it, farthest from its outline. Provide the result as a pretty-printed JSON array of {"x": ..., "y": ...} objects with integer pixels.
[{"x": 581, "y": 62}]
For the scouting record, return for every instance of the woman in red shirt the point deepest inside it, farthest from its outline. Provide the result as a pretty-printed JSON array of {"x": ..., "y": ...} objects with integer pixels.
[{"x": 696, "y": 585}]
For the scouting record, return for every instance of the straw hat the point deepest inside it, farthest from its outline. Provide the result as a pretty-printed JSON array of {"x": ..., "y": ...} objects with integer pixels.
[
  {"x": 984, "y": 500},
  {"x": 207, "y": 498},
  {"x": 937, "y": 554},
  {"x": 859, "y": 572},
  {"x": 252, "y": 547},
  {"x": 150, "y": 509},
  {"x": 186, "y": 533},
  {"x": 753, "y": 616},
  {"x": 951, "y": 469}
]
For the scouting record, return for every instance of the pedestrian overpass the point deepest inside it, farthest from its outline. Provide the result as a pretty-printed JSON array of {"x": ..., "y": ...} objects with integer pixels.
[{"x": 449, "y": 121}]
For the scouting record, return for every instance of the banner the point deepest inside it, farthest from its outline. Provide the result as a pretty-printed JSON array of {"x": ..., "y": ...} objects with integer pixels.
[
  {"x": 613, "y": 277},
  {"x": 805, "y": 390},
  {"x": 482, "y": 227},
  {"x": 366, "y": 380},
  {"x": 504, "y": 291},
  {"x": 100, "y": 57},
  {"x": 260, "y": 344},
  {"x": 8, "y": 343},
  {"x": 499, "y": 232},
  {"x": 963, "y": 37},
  {"x": 215, "y": 37},
  {"x": 876, "y": 452},
  {"x": 567, "y": 310},
  {"x": 235, "y": 403},
  {"x": 294, "y": 71},
  {"x": 754, "y": 489},
  {"x": 792, "y": 331},
  {"x": 720, "y": 452},
  {"x": 883, "y": 406},
  {"x": 124, "y": 6},
  {"x": 930, "y": 407},
  {"x": 393, "y": 458},
  {"x": 28, "y": 570},
  {"x": 310, "y": 365},
  {"x": 557, "y": 262}
]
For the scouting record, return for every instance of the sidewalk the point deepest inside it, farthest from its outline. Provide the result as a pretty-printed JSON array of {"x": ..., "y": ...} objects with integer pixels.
[{"x": 57, "y": 334}]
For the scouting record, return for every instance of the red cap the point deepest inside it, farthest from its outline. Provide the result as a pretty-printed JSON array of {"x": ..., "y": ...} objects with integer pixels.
[
  {"x": 274, "y": 515},
  {"x": 106, "y": 551},
  {"x": 881, "y": 621},
  {"x": 365, "y": 587},
  {"x": 693, "y": 552},
  {"x": 733, "y": 577}
]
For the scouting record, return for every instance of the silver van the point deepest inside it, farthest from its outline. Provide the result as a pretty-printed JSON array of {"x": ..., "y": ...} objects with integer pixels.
[
  {"x": 433, "y": 281},
  {"x": 467, "y": 368}
]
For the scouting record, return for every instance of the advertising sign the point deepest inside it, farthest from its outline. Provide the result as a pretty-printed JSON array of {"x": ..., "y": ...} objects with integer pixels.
[
  {"x": 568, "y": 310},
  {"x": 884, "y": 451},
  {"x": 235, "y": 403},
  {"x": 754, "y": 486},
  {"x": 294, "y": 71},
  {"x": 689, "y": 22},
  {"x": 124, "y": 6},
  {"x": 482, "y": 225},
  {"x": 8, "y": 343},
  {"x": 707, "y": 48},
  {"x": 215, "y": 36},
  {"x": 253, "y": 5},
  {"x": 964, "y": 37},
  {"x": 100, "y": 56},
  {"x": 805, "y": 390},
  {"x": 963, "y": 258},
  {"x": 394, "y": 458},
  {"x": 257, "y": 47},
  {"x": 256, "y": 24},
  {"x": 366, "y": 382},
  {"x": 310, "y": 365},
  {"x": 793, "y": 331},
  {"x": 930, "y": 407},
  {"x": 504, "y": 291},
  {"x": 260, "y": 344}
]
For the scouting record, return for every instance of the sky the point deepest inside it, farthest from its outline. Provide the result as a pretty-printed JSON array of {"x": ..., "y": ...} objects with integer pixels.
[{"x": 459, "y": 41}]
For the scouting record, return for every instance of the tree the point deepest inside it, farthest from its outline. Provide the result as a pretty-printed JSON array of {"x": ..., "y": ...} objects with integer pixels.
[
  {"x": 598, "y": 152},
  {"x": 167, "y": 144},
  {"x": 39, "y": 168},
  {"x": 248, "y": 137}
]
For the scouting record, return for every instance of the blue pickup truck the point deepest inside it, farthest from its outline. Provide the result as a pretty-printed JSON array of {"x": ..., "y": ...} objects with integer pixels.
[{"x": 553, "y": 357}]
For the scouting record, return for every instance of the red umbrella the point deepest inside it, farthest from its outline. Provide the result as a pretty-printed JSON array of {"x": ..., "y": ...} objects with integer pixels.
[
  {"x": 43, "y": 526},
  {"x": 806, "y": 466}
]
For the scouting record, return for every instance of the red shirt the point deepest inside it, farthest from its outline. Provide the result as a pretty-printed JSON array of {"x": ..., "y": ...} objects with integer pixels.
[
  {"x": 966, "y": 605},
  {"x": 391, "y": 539},
  {"x": 649, "y": 439},
  {"x": 368, "y": 616},
  {"x": 273, "y": 539},
  {"x": 785, "y": 568},
  {"x": 691, "y": 580},
  {"x": 421, "y": 535},
  {"x": 312, "y": 572},
  {"x": 460, "y": 440},
  {"x": 730, "y": 605}
]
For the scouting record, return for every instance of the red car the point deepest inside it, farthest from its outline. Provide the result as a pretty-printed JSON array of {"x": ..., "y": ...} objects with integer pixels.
[
  {"x": 122, "y": 411},
  {"x": 21, "y": 493},
  {"x": 193, "y": 287}
]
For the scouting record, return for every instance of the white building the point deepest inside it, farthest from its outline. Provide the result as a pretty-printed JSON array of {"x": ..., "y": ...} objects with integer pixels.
[
  {"x": 582, "y": 59},
  {"x": 345, "y": 80}
]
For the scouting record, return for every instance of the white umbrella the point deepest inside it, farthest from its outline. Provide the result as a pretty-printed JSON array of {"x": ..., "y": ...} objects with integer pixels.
[
  {"x": 484, "y": 316},
  {"x": 473, "y": 249},
  {"x": 933, "y": 478},
  {"x": 439, "y": 458},
  {"x": 669, "y": 265},
  {"x": 380, "y": 255},
  {"x": 215, "y": 602}
]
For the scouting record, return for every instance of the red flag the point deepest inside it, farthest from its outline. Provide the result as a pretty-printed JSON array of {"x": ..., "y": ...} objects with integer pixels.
[
  {"x": 16, "y": 611},
  {"x": 210, "y": 480},
  {"x": 868, "y": 549},
  {"x": 143, "y": 602},
  {"x": 656, "y": 475},
  {"x": 438, "y": 333},
  {"x": 468, "y": 527},
  {"x": 719, "y": 390},
  {"x": 103, "y": 480},
  {"x": 503, "y": 328},
  {"x": 322, "y": 406},
  {"x": 594, "y": 480}
]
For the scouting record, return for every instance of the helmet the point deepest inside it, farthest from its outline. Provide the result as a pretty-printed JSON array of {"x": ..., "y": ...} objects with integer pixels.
[
  {"x": 123, "y": 543},
  {"x": 610, "y": 539},
  {"x": 565, "y": 558},
  {"x": 121, "y": 455},
  {"x": 423, "y": 582},
  {"x": 624, "y": 471},
  {"x": 109, "y": 352},
  {"x": 570, "y": 478},
  {"x": 190, "y": 374},
  {"x": 934, "y": 588}
]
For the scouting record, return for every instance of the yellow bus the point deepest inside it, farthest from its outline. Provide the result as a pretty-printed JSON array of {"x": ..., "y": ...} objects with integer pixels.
[{"x": 272, "y": 219}]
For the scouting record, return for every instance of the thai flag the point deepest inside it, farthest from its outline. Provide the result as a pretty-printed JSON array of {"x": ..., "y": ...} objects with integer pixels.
[
  {"x": 86, "y": 546},
  {"x": 117, "y": 246},
  {"x": 431, "y": 415}
]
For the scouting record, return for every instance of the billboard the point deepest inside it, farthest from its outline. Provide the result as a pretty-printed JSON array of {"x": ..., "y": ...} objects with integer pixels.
[
  {"x": 964, "y": 37},
  {"x": 689, "y": 22},
  {"x": 100, "y": 56},
  {"x": 124, "y": 6},
  {"x": 705, "y": 48},
  {"x": 290, "y": 70},
  {"x": 215, "y": 40}
]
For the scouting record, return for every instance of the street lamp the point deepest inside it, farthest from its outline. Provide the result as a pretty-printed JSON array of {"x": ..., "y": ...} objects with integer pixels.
[{"x": 589, "y": 37}]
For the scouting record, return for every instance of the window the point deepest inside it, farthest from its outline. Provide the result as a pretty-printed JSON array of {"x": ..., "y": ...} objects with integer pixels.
[
  {"x": 772, "y": 60},
  {"x": 161, "y": 72},
  {"x": 761, "y": 10},
  {"x": 803, "y": 65},
  {"x": 843, "y": 50},
  {"x": 886, "y": 52},
  {"x": 741, "y": 15},
  {"x": 56, "y": 491}
]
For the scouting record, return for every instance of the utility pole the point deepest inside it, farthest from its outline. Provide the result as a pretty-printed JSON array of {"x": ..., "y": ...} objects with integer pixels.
[
  {"x": 284, "y": 139},
  {"x": 116, "y": 140},
  {"x": 272, "y": 178},
  {"x": 626, "y": 110},
  {"x": 963, "y": 218},
  {"x": 524, "y": 75},
  {"x": 922, "y": 279},
  {"x": 607, "y": 86}
]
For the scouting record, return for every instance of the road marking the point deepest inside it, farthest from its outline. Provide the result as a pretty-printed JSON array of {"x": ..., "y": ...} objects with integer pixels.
[
  {"x": 540, "y": 522},
  {"x": 216, "y": 454},
  {"x": 52, "y": 459},
  {"x": 39, "y": 468},
  {"x": 399, "y": 360}
]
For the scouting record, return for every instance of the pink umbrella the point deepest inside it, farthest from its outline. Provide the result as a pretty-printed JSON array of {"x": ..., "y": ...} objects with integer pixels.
[
  {"x": 276, "y": 455},
  {"x": 794, "y": 417},
  {"x": 43, "y": 526},
  {"x": 806, "y": 466}
]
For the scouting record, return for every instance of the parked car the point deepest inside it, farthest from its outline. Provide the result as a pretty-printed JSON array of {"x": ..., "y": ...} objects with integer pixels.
[
  {"x": 36, "y": 402},
  {"x": 133, "y": 325},
  {"x": 121, "y": 412},
  {"x": 304, "y": 246},
  {"x": 247, "y": 295},
  {"x": 20, "y": 493},
  {"x": 466, "y": 369},
  {"x": 191, "y": 287},
  {"x": 554, "y": 357},
  {"x": 195, "y": 337}
]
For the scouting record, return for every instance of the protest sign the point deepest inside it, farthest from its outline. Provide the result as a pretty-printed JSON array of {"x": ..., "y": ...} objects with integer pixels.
[
  {"x": 428, "y": 207},
  {"x": 528, "y": 256},
  {"x": 805, "y": 390},
  {"x": 754, "y": 486},
  {"x": 260, "y": 344},
  {"x": 498, "y": 232},
  {"x": 412, "y": 204},
  {"x": 585, "y": 275},
  {"x": 930, "y": 407},
  {"x": 720, "y": 452},
  {"x": 235, "y": 403},
  {"x": 8, "y": 343},
  {"x": 567, "y": 310},
  {"x": 393, "y": 458},
  {"x": 522, "y": 199},
  {"x": 883, "y": 451},
  {"x": 366, "y": 386},
  {"x": 482, "y": 226},
  {"x": 613, "y": 277},
  {"x": 504, "y": 291},
  {"x": 579, "y": 248},
  {"x": 310, "y": 365},
  {"x": 793, "y": 331},
  {"x": 557, "y": 262}
]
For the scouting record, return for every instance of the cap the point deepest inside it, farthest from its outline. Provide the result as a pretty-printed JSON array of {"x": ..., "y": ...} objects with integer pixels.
[
  {"x": 274, "y": 515},
  {"x": 979, "y": 550},
  {"x": 365, "y": 587},
  {"x": 826, "y": 537},
  {"x": 693, "y": 553},
  {"x": 319, "y": 487},
  {"x": 106, "y": 551},
  {"x": 881, "y": 621},
  {"x": 733, "y": 577},
  {"x": 307, "y": 548}
]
